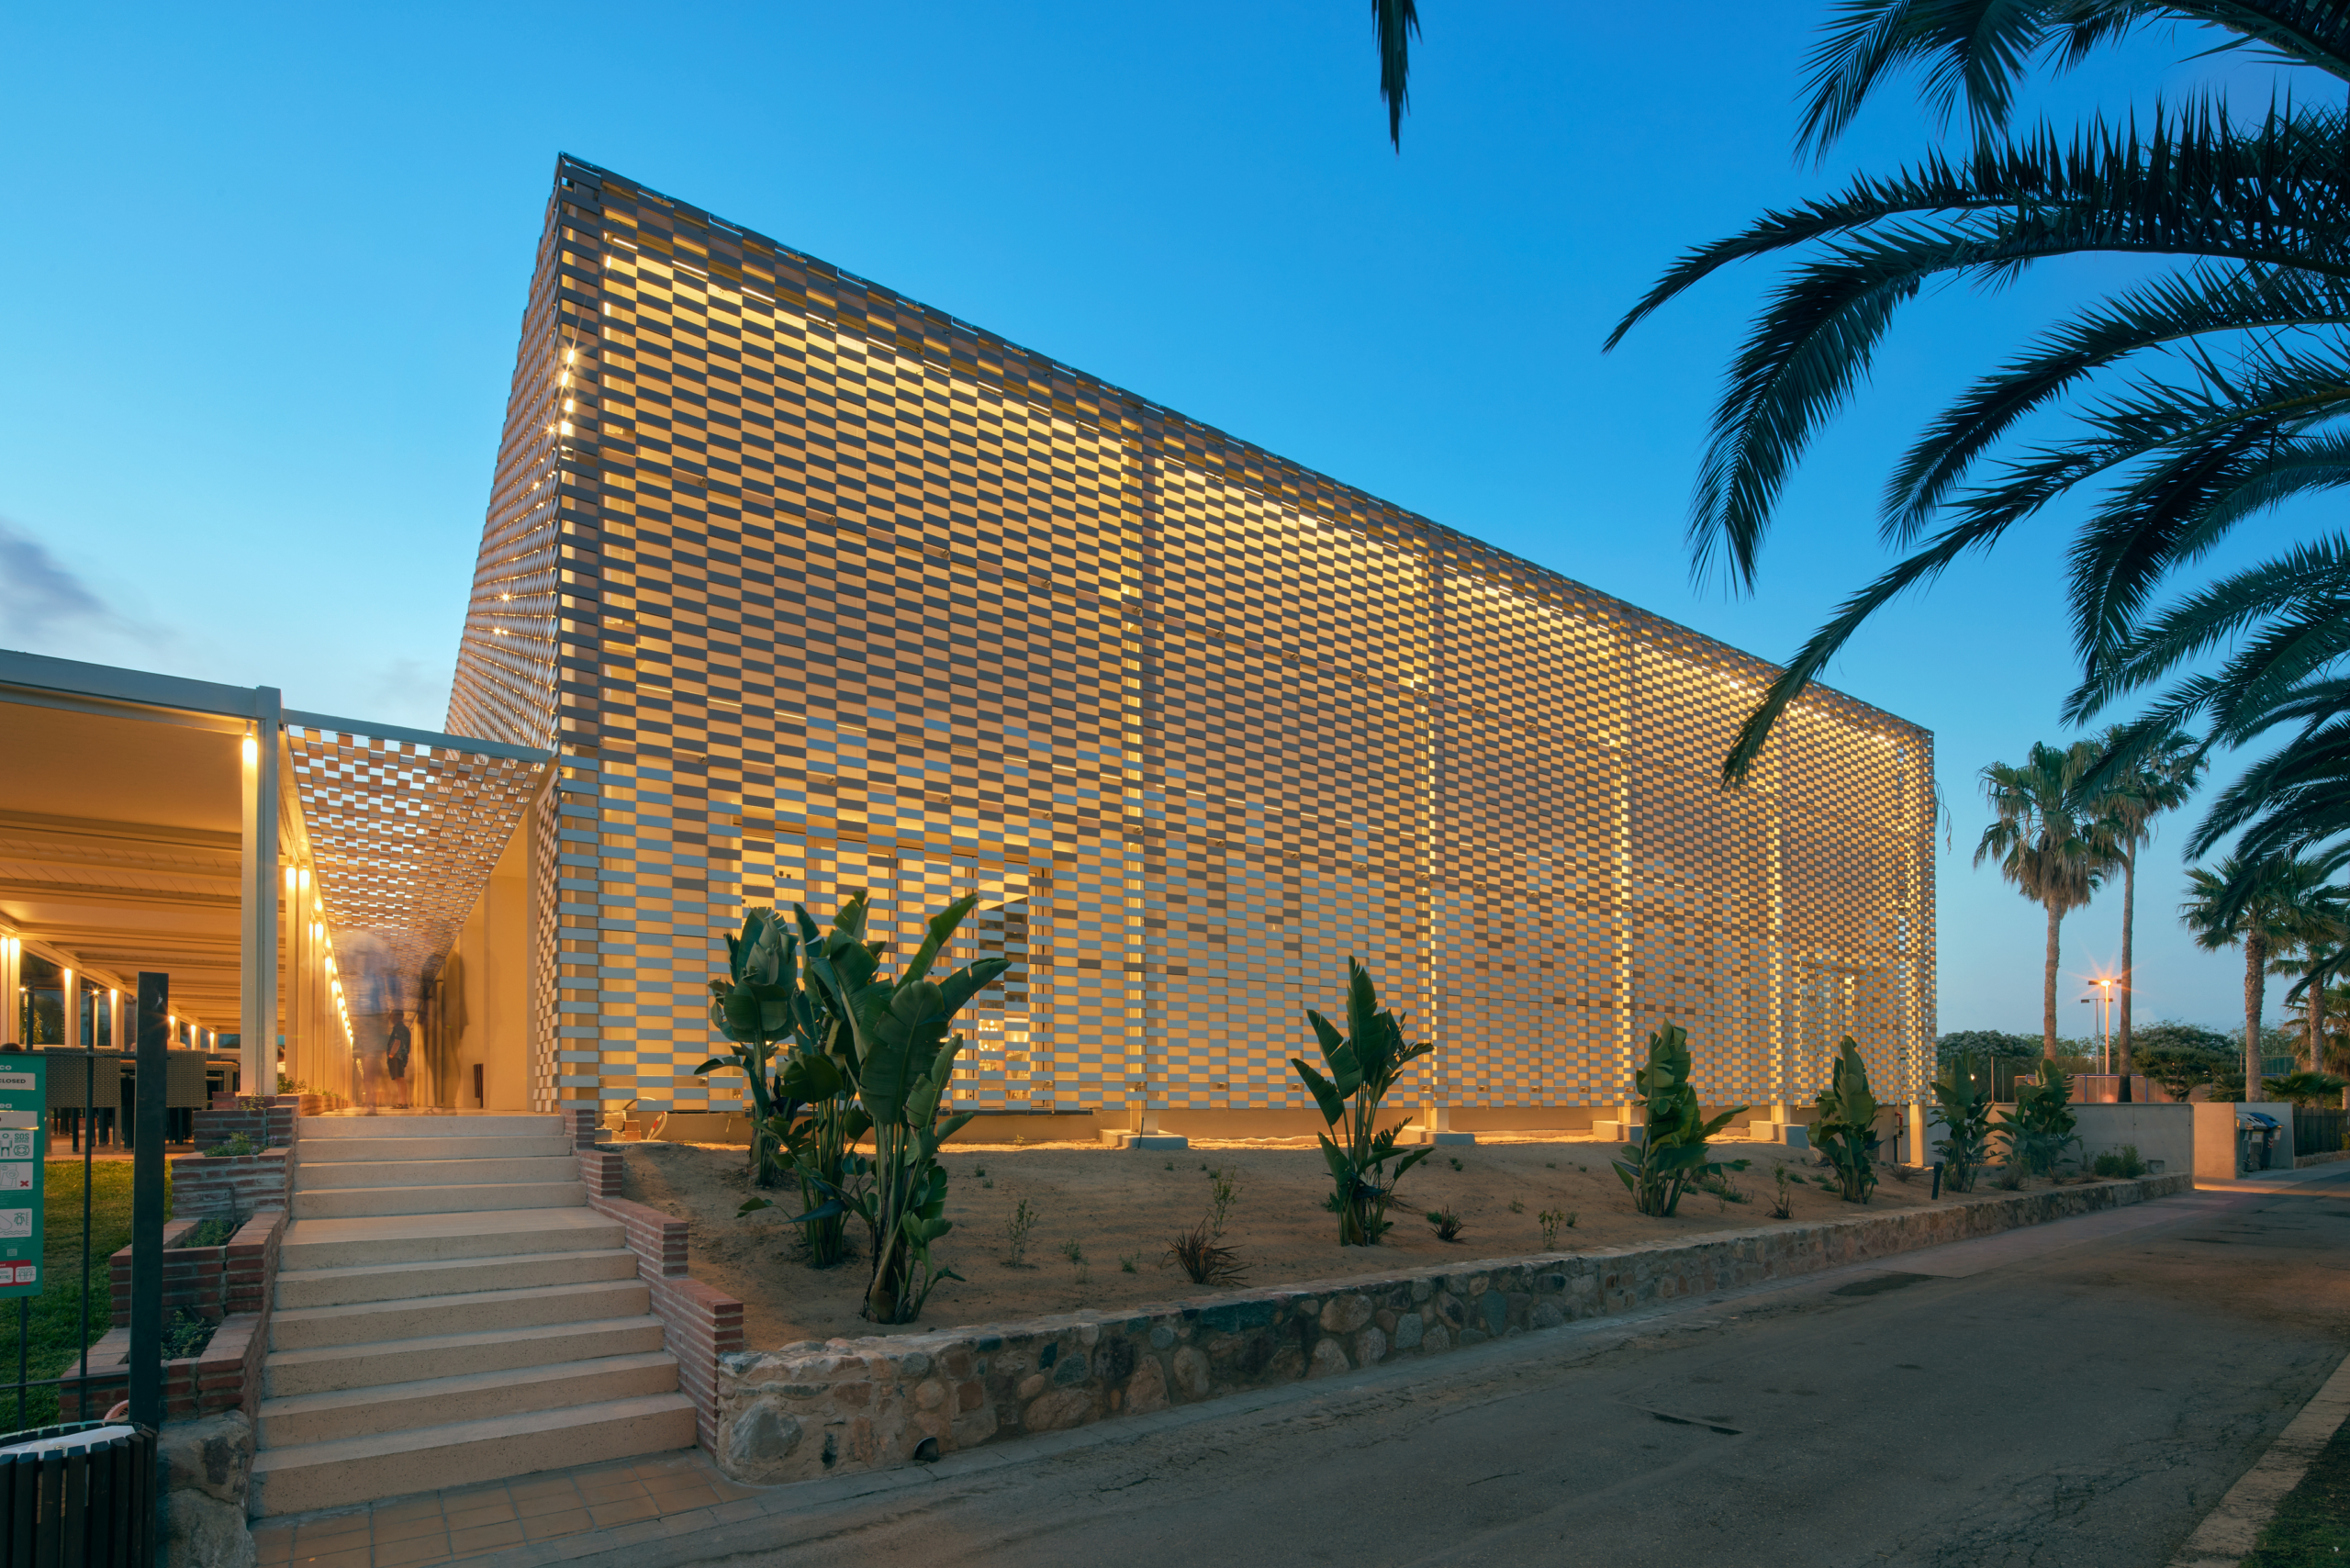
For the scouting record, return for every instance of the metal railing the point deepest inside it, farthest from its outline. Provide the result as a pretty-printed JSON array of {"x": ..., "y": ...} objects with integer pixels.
[{"x": 86, "y": 1484}]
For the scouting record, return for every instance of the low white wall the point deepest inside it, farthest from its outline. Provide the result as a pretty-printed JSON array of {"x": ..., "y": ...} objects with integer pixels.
[{"x": 2164, "y": 1133}]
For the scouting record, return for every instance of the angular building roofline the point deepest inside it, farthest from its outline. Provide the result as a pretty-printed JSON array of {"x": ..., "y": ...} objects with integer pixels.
[{"x": 1293, "y": 483}]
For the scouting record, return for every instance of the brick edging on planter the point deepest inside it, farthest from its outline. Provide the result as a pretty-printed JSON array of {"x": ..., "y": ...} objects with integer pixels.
[
  {"x": 2302, "y": 1161},
  {"x": 231, "y": 1283},
  {"x": 823, "y": 1407},
  {"x": 700, "y": 1323},
  {"x": 229, "y": 1183}
]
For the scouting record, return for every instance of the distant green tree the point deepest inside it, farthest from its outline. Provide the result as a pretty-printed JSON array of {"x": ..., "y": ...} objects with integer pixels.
[
  {"x": 2181, "y": 1056},
  {"x": 2290, "y": 903},
  {"x": 1986, "y": 1043}
]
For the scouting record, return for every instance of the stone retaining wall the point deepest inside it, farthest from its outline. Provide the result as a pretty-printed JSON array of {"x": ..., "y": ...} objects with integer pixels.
[{"x": 823, "y": 1407}]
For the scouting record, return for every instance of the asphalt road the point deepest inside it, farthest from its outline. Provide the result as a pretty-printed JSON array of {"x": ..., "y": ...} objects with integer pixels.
[{"x": 2077, "y": 1394}]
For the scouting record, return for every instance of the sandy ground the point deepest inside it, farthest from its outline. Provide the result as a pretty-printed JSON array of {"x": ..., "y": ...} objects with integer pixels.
[{"x": 1120, "y": 1210}]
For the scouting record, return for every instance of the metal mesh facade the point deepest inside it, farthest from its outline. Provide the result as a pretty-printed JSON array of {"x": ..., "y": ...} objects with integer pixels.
[{"x": 852, "y": 594}]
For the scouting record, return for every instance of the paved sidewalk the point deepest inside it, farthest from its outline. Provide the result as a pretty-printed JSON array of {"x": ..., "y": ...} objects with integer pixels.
[{"x": 473, "y": 1521}]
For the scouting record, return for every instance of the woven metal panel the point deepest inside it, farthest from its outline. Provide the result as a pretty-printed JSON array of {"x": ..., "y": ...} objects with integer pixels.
[{"x": 854, "y": 594}]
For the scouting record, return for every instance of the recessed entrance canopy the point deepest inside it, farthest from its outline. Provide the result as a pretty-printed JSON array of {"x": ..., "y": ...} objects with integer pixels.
[{"x": 253, "y": 852}]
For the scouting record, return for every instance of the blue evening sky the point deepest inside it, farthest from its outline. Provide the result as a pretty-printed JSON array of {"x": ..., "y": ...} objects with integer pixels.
[{"x": 266, "y": 268}]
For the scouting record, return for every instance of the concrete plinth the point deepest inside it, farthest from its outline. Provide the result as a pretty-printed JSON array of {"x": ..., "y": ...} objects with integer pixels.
[{"x": 1121, "y": 1138}]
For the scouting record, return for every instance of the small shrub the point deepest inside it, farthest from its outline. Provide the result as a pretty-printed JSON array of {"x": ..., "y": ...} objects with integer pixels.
[
  {"x": 1552, "y": 1220},
  {"x": 1170, "y": 1164},
  {"x": 186, "y": 1335},
  {"x": 1725, "y": 1191},
  {"x": 1364, "y": 1065},
  {"x": 1130, "y": 1262},
  {"x": 236, "y": 1144},
  {"x": 1223, "y": 1191},
  {"x": 1015, "y": 1231},
  {"x": 1517, "y": 1205},
  {"x": 1783, "y": 1205},
  {"x": 2123, "y": 1162},
  {"x": 1447, "y": 1224},
  {"x": 979, "y": 1169},
  {"x": 1196, "y": 1253},
  {"x": 987, "y": 1181},
  {"x": 1549, "y": 1165},
  {"x": 212, "y": 1231},
  {"x": 1847, "y": 1115},
  {"x": 1073, "y": 1252},
  {"x": 1457, "y": 1165}
]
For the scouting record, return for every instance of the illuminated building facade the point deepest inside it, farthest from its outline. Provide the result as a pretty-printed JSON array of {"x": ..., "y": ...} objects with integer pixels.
[{"x": 814, "y": 588}]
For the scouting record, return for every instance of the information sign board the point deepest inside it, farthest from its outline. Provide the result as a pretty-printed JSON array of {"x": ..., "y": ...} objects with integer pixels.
[{"x": 24, "y": 1115}]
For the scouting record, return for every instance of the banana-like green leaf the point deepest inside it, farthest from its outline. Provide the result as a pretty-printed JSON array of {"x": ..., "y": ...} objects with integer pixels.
[
  {"x": 940, "y": 930},
  {"x": 969, "y": 981},
  {"x": 813, "y": 1077},
  {"x": 921, "y": 1101},
  {"x": 753, "y": 1205},
  {"x": 1325, "y": 1094},
  {"x": 714, "y": 1064},
  {"x": 900, "y": 1029},
  {"x": 1341, "y": 1165}
]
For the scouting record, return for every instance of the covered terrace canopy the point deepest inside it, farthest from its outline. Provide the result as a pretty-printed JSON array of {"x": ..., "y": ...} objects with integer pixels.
[{"x": 251, "y": 852}]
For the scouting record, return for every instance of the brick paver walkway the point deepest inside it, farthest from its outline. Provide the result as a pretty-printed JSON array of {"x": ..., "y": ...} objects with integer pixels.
[{"x": 474, "y": 1521}]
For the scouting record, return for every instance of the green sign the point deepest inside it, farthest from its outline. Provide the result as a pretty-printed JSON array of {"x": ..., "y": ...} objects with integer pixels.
[{"x": 23, "y": 1114}]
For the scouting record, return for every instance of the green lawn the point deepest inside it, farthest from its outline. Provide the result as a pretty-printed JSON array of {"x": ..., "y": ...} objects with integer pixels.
[
  {"x": 2312, "y": 1524},
  {"x": 56, "y": 1315}
]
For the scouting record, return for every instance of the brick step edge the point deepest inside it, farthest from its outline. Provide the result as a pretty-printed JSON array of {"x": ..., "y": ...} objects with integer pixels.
[{"x": 823, "y": 1408}]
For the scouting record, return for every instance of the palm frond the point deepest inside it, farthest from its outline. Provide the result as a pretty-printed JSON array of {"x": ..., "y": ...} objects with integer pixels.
[
  {"x": 2198, "y": 303},
  {"x": 2194, "y": 185},
  {"x": 2311, "y": 581},
  {"x": 1980, "y": 50},
  {"x": 1397, "y": 21}
]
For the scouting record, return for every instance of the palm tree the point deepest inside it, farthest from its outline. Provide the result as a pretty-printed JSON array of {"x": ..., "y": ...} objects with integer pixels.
[
  {"x": 2134, "y": 786},
  {"x": 2048, "y": 844},
  {"x": 2288, "y": 903},
  {"x": 2203, "y": 395},
  {"x": 2318, "y": 966}
]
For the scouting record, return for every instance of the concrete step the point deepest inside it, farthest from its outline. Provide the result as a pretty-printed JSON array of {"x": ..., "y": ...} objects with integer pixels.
[
  {"x": 515, "y": 1146},
  {"x": 286, "y": 1373},
  {"x": 376, "y": 1322},
  {"x": 389, "y": 1464},
  {"x": 375, "y": 1241},
  {"x": 344, "y": 1203},
  {"x": 312, "y": 1175},
  {"x": 517, "y": 1125},
  {"x": 402, "y": 1282},
  {"x": 437, "y": 1401}
]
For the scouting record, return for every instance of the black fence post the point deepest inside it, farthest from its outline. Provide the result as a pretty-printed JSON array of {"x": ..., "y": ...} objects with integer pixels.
[{"x": 147, "y": 1204}]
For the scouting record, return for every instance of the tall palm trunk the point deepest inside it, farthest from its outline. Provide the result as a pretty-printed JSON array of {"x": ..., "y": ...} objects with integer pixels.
[
  {"x": 2048, "y": 985},
  {"x": 2129, "y": 975},
  {"x": 2256, "y": 992}
]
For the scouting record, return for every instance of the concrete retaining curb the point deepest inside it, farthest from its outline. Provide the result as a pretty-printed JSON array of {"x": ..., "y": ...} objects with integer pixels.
[{"x": 828, "y": 1407}]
